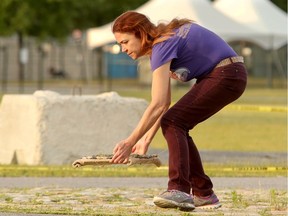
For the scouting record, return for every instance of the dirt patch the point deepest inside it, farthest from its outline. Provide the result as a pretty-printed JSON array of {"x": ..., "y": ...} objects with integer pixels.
[{"x": 133, "y": 201}]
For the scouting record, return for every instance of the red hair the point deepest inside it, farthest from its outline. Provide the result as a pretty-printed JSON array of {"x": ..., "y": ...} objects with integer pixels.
[{"x": 140, "y": 25}]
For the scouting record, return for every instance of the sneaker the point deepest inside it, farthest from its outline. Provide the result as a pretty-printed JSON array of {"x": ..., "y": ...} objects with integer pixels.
[
  {"x": 174, "y": 199},
  {"x": 208, "y": 202}
]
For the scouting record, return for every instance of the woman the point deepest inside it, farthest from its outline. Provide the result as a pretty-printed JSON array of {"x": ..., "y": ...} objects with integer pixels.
[{"x": 182, "y": 50}]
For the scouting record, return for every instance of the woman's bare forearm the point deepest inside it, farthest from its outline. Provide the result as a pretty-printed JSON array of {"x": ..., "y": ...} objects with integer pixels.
[{"x": 149, "y": 123}]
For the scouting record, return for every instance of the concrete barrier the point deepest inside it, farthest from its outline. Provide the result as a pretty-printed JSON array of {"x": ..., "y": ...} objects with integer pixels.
[{"x": 49, "y": 128}]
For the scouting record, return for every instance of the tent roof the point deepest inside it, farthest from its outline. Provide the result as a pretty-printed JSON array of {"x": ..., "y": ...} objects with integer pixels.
[
  {"x": 261, "y": 15},
  {"x": 201, "y": 11}
]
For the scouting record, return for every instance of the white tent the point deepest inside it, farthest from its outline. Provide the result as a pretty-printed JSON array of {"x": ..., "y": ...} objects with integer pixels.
[
  {"x": 200, "y": 11},
  {"x": 262, "y": 15}
]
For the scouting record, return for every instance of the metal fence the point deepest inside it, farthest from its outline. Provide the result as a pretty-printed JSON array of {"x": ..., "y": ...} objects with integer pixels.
[{"x": 43, "y": 62}]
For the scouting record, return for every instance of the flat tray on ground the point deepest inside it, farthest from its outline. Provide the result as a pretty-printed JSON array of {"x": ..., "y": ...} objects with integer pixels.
[{"x": 99, "y": 160}]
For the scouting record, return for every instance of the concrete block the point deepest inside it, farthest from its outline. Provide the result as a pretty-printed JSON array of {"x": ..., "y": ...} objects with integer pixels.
[{"x": 52, "y": 129}]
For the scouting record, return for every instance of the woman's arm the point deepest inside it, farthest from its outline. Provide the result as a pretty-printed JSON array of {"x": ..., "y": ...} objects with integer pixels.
[
  {"x": 160, "y": 102},
  {"x": 142, "y": 145}
]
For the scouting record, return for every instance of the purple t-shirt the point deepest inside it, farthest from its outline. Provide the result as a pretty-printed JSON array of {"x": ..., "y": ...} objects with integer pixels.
[{"x": 194, "y": 51}]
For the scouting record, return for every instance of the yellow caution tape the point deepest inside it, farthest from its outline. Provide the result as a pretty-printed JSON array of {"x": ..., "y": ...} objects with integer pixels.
[
  {"x": 269, "y": 168},
  {"x": 257, "y": 108}
]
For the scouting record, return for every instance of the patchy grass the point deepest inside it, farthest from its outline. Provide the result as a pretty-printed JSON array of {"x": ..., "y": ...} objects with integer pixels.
[
  {"x": 237, "y": 200},
  {"x": 134, "y": 201}
]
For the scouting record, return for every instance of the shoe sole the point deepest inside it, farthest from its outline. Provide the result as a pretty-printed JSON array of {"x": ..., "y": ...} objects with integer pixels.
[
  {"x": 164, "y": 203},
  {"x": 212, "y": 206}
]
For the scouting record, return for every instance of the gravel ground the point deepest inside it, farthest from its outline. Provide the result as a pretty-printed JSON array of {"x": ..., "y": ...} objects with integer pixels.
[
  {"x": 135, "y": 201},
  {"x": 133, "y": 196},
  {"x": 35, "y": 196}
]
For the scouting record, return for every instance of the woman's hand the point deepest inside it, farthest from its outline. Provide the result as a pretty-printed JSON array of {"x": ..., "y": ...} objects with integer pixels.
[
  {"x": 141, "y": 147},
  {"x": 160, "y": 102},
  {"x": 121, "y": 152}
]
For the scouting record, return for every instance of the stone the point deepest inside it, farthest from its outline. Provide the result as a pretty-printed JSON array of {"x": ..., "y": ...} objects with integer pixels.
[{"x": 47, "y": 128}]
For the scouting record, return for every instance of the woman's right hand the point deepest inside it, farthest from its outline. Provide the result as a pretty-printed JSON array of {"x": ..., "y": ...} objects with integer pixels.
[{"x": 122, "y": 152}]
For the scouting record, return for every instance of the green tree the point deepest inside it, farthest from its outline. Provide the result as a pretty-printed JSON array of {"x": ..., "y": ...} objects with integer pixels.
[
  {"x": 281, "y": 4},
  {"x": 56, "y": 19}
]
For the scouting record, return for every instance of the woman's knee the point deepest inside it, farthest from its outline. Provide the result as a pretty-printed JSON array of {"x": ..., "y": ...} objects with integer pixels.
[{"x": 167, "y": 119}]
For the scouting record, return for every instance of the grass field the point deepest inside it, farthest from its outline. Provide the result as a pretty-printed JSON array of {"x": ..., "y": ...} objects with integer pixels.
[{"x": 238, "y": 127}]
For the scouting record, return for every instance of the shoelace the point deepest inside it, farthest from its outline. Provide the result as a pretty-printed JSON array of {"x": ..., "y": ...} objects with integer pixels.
[{"x": 177, "y": 192}]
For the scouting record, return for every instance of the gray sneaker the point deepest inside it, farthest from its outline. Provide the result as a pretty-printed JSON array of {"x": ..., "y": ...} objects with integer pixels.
[
  {"x": 208, "y": 202},
  {"x": 174, "y": 199}
]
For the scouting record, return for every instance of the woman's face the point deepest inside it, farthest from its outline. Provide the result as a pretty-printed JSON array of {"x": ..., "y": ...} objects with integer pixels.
[{"x": 129, "y": 44}]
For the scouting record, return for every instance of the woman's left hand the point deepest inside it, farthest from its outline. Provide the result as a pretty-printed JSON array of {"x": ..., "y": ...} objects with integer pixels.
[
  {"x": 121, "y": 152},
  {"x": 141, "y": 147}
]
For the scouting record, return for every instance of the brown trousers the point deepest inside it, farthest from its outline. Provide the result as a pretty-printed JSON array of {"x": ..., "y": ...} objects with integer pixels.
[{"x": 209, "y": 95}]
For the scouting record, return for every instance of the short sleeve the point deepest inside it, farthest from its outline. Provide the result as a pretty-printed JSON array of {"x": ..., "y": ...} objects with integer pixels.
[{"x": 164, "y": 52}]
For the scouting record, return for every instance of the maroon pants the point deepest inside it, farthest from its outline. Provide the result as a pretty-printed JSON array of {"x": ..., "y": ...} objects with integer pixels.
[{"x": 209, "y": 95}]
